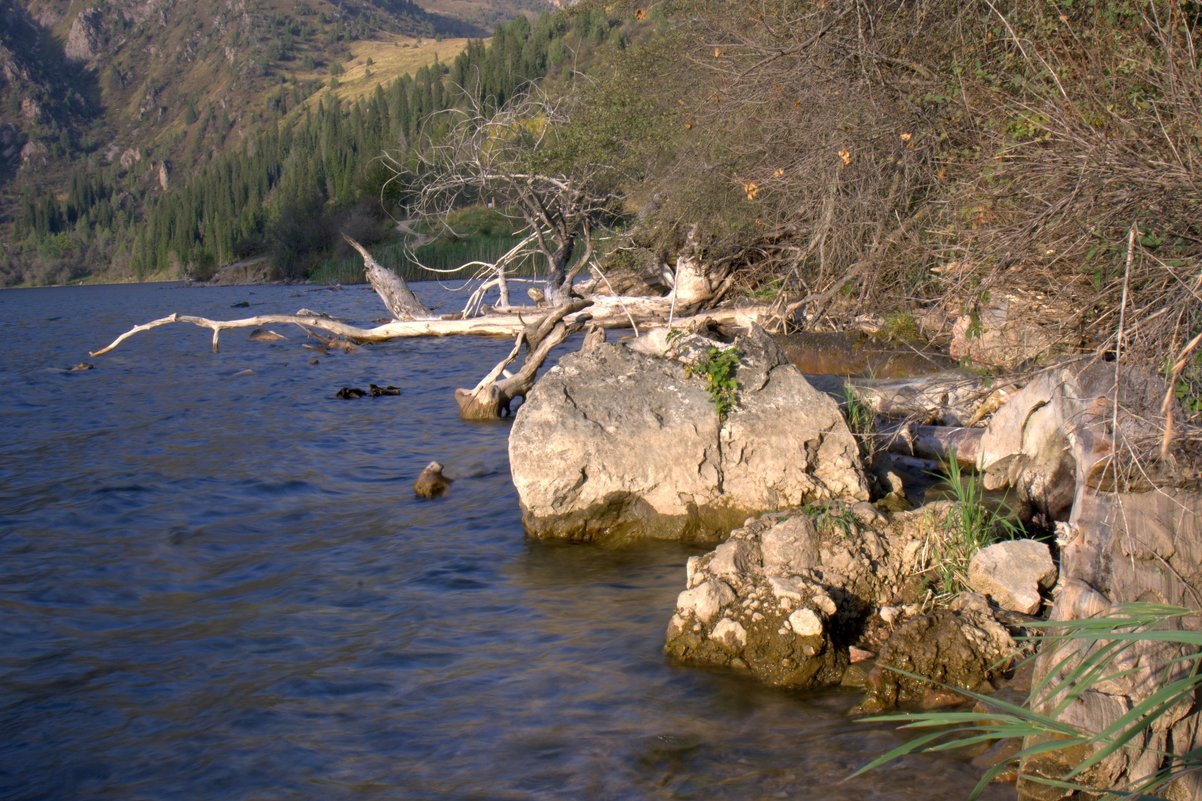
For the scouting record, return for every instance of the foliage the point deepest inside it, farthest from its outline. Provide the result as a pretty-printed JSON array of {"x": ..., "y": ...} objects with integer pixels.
[
  {"x": 861, "y": 420},
  {"x": 900, "y": 326},
  {"x": 1087, "y": 655},
  {"x": 717, "y": 367},
  {"x": 832, "y": 516},
  {"x": 971, "y": 525},
  {"x": 846, "y": 149},
  {"x": 523, "y": 158}
]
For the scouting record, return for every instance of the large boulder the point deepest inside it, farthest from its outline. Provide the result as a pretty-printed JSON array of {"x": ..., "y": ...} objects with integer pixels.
[
  {"x": 616, "y": 445},
  {"x": 1082, "y": 447}
]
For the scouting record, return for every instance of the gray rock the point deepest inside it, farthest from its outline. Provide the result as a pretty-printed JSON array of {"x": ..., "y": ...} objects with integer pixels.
[
  {"x": 613, "y": 444},
  {"x": 806, "y": 623},
  {"x": 705, "y": 601},
  {"x": 790, "y": 547},
  {"x": 431, "y": 483},
  {"x": 1013, "y": 573},
  {"x": 961, "y": 646},
  {"x": 786, "y": 599},
  {"x": 735, "y": 557}
]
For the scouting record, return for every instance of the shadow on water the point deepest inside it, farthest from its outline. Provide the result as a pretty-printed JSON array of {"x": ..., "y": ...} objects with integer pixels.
[{"x": 217, "y": 584}]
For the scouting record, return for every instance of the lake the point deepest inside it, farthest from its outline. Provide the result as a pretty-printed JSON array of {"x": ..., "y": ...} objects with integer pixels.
[{"x": 216, "y": 583}]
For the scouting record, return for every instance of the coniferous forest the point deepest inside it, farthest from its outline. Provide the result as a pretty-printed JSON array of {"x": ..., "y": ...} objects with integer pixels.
[{"x": 287, "y": 190}]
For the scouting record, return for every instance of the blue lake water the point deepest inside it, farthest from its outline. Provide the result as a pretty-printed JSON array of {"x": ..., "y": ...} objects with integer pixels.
[{"x": 216, "y": 583}]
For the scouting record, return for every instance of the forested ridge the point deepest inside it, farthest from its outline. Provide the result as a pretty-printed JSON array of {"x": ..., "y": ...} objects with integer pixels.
[
  {"x": 106, "y": 111},
  {"x": 289, "y": 189}
]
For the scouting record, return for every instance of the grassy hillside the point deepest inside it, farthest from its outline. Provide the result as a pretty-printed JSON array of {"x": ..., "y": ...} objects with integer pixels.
[{"x": 378, "y": 62}]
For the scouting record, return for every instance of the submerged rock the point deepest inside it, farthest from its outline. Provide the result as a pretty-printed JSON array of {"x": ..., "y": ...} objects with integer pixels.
[
  {"x": 431, "y": 483},
  {"x": 616, "y": 445},
  {"x": 352, "y": 393}
]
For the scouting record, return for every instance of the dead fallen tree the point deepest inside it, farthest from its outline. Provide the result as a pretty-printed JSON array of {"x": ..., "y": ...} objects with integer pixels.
[
  {"x": 402, "y": 304},
  {"x": 935, "y": 443},
  {"x": 499, "y": 325},
  {"x": 537, "y": 328},
  {"x": 950, "y": 398}
]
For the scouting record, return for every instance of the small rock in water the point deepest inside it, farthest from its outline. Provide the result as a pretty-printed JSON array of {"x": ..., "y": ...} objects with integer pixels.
[
  {"x": 431, "y": 483},
  {"x": 242, "y": 304},
  {"x": 388, "y": 390},
  {"x": 350, "y": 393},
  {"x": 82, "y": 367}
]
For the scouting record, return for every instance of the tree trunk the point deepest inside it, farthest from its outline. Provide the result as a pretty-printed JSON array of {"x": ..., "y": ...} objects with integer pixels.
[
  {"x": 398, "y": 298},
  {"x": 938, "y": 443},
  {"x": 947, "y": 398},
  {"x": 556, "y": 288}
]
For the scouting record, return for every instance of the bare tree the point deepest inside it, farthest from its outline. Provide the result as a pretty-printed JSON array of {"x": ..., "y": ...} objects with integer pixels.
[{"x": 521, "y": 160}]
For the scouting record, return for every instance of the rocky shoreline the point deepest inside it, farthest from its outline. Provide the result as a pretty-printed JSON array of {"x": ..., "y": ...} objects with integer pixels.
[{"x": 819, "y": 575}]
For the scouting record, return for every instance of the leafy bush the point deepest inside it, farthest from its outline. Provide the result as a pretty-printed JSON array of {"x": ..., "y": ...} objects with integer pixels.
[
  {"x": 972, "y": 525},
  {"x": 861, "y": 420}
]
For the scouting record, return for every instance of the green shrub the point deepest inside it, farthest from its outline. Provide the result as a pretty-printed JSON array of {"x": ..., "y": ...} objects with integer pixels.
[
  {"x": 972, "y": 525},
  {"x": 861, "y": 420}
]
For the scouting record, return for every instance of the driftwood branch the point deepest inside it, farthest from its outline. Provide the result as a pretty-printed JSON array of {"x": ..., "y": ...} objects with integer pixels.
[
  {"x": 609, "y": 315},
  {"x": 937, "y": 443},
  {"x": 491, "y": 398},
  {"x": 398, "y": 329},
  {"x": 950, "y": 398}
]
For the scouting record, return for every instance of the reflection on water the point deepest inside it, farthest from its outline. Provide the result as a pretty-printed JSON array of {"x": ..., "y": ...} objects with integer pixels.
[
  {"x": 851, "y": 354},
  {"x": 218, "y": 585}
]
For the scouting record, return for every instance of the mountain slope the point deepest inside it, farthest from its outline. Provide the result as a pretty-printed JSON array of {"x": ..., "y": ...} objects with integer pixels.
[
  {"x": 123, "y": 99},
  {"x": 147, "y": 71}
]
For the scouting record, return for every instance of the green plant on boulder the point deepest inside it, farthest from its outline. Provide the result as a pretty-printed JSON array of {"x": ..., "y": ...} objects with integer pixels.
[
  {"x": 833, "y": 517},
  {"x": 717, "y": 367}
]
